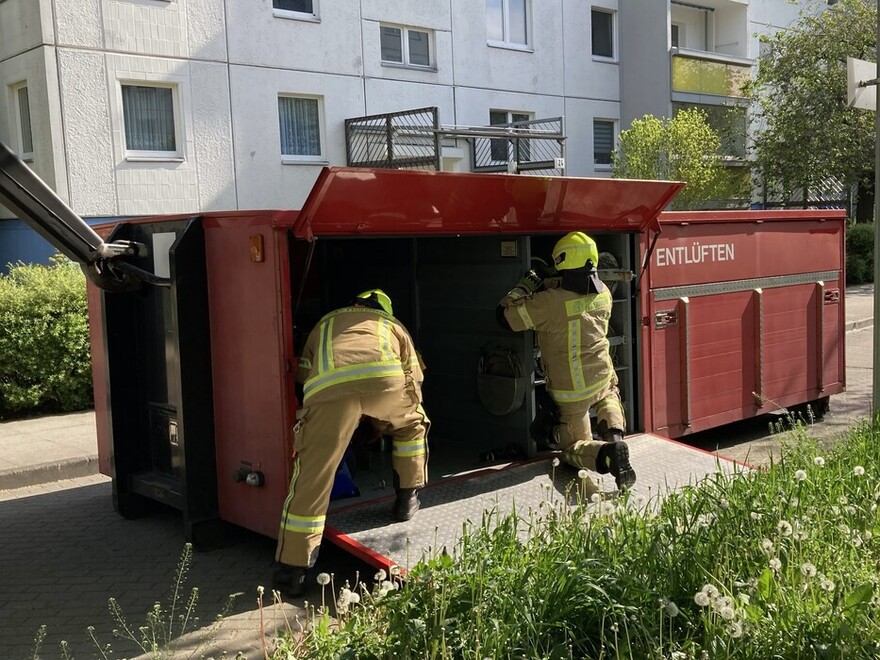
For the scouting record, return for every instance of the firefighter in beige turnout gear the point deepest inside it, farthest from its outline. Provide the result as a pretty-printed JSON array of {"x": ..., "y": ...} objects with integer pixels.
[
  {"x": 357, "y": 361},
  {"x": 570, "y": 318}
]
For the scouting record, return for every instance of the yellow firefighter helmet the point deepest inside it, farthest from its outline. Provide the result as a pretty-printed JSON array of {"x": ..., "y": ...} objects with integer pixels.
[
  {"x": 375, "y": 298},
  {"x": 574, "y": 250}
]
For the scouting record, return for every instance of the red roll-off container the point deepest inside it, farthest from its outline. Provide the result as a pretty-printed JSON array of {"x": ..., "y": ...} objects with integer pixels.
[{"x": 718, "y": 316}]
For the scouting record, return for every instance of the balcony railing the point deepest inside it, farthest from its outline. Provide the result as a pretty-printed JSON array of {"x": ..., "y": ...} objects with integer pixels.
[{"x": 698, "y": 72}]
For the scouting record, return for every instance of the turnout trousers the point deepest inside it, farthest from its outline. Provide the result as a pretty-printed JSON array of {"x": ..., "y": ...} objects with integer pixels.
[
  {"x": 320, "y": 440},
  {"x": 574, "y": 433}
]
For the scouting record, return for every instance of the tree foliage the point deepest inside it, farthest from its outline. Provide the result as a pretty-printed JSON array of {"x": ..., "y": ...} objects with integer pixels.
[
  {"x": 806, "y": 132},
  {"x": 684, "y": 148}
]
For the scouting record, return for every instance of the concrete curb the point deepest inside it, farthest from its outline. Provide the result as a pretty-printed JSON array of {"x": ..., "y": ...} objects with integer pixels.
[
  {"x": 34, "y": 475},
  {"x": 858, "y": 325}
]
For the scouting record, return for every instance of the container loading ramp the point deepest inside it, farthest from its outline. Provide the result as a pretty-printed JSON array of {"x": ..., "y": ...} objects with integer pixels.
[{"x": 365, "y": 528}]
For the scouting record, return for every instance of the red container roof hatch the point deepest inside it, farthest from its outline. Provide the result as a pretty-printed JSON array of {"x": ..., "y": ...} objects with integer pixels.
[{"x": 348, "y": 201}]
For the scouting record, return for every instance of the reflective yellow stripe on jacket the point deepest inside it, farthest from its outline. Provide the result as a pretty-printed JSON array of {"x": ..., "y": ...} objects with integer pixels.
[
  {"x": 328, "y": 374},
  {"x": 580, "y": 390}
]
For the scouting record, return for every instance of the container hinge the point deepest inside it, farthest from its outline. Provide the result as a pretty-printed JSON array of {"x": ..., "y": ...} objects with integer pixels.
[{"x": 832, "y": 296}]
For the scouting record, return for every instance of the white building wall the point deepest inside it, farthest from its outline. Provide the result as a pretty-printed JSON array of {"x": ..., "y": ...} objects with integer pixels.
[
  {"x": 259, "y": 36},
  {"x": 263, "y": 179},
  {"x": 24, "y": 25},
  {"x": 579, "y": 116},
  {"x": 88, "y": 137},
  {"x": 537, "y": 70},
  {"x": 212, "y": 137},
  {"x": 79, "y": 23},
  {"x": 584, "y": 76}
]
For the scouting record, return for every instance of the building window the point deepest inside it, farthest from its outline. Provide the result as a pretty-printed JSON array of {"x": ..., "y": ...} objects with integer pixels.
[
  {"x": 296, "y": 6},
  {"x": 603, "y": 33},
  {"x": 677, "y": 35},
  {"x": 23, "y": 119},
  {"x": 506, "y": 150},
  {"x": 507, "y": 22},
  {"x": 603, "y": 141},
  {"x": 149, "y": 114},
  {"x": 407, "y": 46},
  {"x": 300, "y": 122}
]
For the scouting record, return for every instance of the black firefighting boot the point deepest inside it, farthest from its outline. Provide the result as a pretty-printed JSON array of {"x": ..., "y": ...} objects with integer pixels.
[
  {"x": 289, "y": 581},
  {"x": 406, "y": 504},
  {"x": 613, "y": 457}
]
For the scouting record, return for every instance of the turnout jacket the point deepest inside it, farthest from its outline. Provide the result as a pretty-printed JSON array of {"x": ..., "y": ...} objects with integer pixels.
[
  {"x": 571, "y": 329},
  {"x": 356, "y": 350}
]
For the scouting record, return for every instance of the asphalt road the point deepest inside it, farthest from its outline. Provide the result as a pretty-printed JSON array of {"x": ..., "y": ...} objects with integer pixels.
[{"x": 65, "y": 552}]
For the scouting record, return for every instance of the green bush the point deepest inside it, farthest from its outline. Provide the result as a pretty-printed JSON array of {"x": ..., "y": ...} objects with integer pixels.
[
  {"x": 860, "y": 253},
  {"x": 45, "y": 363}
]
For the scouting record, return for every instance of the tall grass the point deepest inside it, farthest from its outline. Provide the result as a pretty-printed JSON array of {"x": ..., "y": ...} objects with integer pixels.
[{"x": 774, "y": 563}]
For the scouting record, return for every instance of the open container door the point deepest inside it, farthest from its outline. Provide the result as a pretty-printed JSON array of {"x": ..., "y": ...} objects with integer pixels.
[{"x": 446, "y": 247}]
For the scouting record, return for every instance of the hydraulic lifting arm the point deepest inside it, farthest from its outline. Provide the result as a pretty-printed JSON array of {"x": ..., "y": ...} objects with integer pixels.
[{"x": 106, "y": 264}]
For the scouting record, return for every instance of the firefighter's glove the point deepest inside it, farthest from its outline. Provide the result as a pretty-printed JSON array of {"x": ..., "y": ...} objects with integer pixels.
[{"x": 528, "y": 284}]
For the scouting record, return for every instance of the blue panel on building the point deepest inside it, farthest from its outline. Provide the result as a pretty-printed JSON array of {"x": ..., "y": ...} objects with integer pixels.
[{"x": 18, "y": 242}]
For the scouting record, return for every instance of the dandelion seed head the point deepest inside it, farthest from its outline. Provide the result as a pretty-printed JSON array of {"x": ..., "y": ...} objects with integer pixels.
[
  {"x": 857, "y": 541},
  {"x": 260, "y": 590},
  {"x": 858, "y": 471},
  {"x": 775, "y": 564},
  {"x": 826, "y": 584},
  {"x": 723, "y": 601},
  {"x": 727, "y": 613},
  {"x": 724, "y": 504},
  {"x": 671, "y": 609},
  {"x": 583, "y": 474},
  {"x": 710, "y": 590},
  {"x": 794, "y": 502},
  {"x": 701, "y": 598},
  {"x": 767, "y": 545},
  {"x": 354, "y": 597},
  {"x": 734, "y": 630},
  {"x": 842, "y": 500},
  {"x": 555, "y": 462},
  {"x": 380, "y": 575},
  {"x": 808, "y": 570},
  {"x": 784, "y": 528},
  {"x": 800, "y": 475},
  {"x": 595, "y": 498},
  {"x": 394, "y": 570},
  {"x": 819, "y": 461},
  {"x": 323, "y": 579}
]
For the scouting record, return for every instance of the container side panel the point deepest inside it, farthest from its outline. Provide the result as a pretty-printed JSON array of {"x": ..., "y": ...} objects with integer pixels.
[
  {"x": 250, "y": 401},
  {"x": 666, "y": 365},
  {"x": 722, "y": 363},
  {"x": 746, "y": 309},
  {"x": 790, "y": 349},
  {"x": 686, "y": 255},
  {"x": 833, "y": 364}
]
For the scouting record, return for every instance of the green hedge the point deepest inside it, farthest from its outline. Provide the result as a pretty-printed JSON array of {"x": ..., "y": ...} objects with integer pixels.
[
  {"x": 45, "y": 362},
  {"x": 860, "y": 253}
]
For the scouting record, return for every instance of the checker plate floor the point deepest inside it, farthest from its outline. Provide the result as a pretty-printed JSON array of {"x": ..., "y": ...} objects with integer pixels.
[{"x": 367, "y": 530}]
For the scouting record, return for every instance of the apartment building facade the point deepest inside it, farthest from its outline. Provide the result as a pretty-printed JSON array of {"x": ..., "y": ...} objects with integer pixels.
[{"x": 134, "y": 107}]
